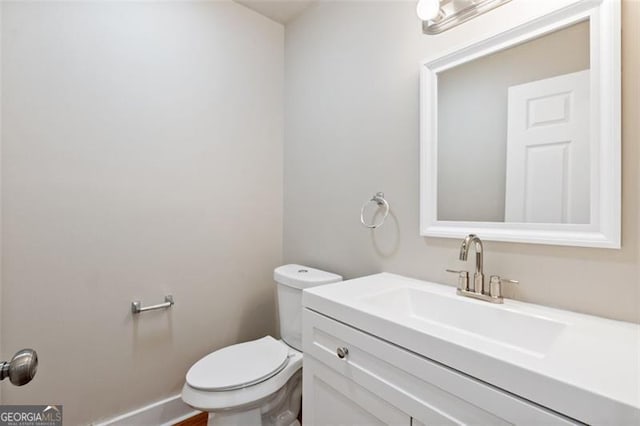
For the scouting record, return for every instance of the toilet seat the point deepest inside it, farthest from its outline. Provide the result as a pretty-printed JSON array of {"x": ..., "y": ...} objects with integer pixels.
[
  {"x": 208, "y": 400},
  {"x": 239, "y": 366}
]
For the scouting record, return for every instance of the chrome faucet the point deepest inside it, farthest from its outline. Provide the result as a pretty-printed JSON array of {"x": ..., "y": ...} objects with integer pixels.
[
  {"x": 494, "y": 293},
  {"x": 478, "y": 276}
]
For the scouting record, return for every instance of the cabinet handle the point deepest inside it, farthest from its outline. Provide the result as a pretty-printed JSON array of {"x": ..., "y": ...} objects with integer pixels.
[{"x": 342, "y": 352}]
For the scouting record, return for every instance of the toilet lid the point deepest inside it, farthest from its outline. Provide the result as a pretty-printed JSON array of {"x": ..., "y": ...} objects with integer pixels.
[{"x": 239, "y": 366}]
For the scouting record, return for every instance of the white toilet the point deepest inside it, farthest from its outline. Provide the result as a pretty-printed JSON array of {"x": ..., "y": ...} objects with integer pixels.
[{"x": 258, "y": 382}]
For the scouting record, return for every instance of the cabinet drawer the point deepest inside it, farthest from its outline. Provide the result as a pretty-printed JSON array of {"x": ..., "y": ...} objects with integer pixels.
[{"x": 424, "y": 389}]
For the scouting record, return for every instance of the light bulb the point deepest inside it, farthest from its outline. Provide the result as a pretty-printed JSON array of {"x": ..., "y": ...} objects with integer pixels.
[{"x": 428, "y": 10}]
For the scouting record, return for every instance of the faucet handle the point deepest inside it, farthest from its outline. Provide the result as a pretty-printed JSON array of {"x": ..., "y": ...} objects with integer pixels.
[
  {"x": 495, "y": 285},
  {"x": 463, "y": 279}
]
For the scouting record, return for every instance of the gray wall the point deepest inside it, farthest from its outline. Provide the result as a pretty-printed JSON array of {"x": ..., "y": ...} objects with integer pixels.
[
  {"x": 352, "y": 128},
  {"x": 472, "y": 119},
  {"x": 141, "y": 156}
]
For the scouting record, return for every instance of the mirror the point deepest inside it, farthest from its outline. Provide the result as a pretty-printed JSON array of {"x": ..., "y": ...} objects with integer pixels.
[
  {"x": 520, "y": 133},
  {"x": 526, "y": 112}
]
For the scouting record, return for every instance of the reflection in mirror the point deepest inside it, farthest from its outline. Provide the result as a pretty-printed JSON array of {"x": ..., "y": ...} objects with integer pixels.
[{"x": 514, "y": 133}]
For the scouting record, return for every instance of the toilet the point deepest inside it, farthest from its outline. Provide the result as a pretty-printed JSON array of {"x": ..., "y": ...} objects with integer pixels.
[{"x": 258, "y": 382}]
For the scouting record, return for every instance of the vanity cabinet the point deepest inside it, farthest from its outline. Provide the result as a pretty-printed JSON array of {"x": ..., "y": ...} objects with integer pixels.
[{"x": 377, "y": 382}]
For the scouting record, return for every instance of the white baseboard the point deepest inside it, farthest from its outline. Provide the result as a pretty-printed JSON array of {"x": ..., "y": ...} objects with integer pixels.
[{"x": 163, "y": 413}]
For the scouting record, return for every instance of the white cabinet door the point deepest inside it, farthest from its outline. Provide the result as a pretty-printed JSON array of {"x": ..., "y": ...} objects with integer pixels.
[
  {"x": 331, "y": 399},
  {"x": 548, "y": 147}
]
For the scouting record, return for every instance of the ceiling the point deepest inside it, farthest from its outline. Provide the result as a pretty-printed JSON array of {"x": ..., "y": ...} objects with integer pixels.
[{"x": 279, "y": 10}]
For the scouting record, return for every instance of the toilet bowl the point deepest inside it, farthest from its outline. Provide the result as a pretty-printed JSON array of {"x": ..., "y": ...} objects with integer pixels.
[
  {"x": 236, "y": 396},
  {"x": 258, "y": 382}
]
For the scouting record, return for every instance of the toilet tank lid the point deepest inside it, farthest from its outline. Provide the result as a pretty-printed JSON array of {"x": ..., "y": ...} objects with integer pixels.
[{"x": 301, "y": 277}]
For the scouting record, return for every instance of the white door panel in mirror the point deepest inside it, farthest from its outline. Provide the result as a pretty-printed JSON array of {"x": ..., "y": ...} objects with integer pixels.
[{"x": 547, "y": 179}]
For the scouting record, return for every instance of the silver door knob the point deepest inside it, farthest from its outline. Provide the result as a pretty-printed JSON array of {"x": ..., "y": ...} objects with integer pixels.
[
  {"x": 22, "y": 367},
  {"x": 342, "y": 352}
]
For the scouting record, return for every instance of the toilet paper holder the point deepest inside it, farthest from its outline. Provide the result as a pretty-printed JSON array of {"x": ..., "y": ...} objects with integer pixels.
[{"x": 136, "y": 307}]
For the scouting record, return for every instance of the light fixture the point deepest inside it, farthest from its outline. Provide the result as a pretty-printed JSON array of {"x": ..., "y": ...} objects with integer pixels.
[
  {"x": 440, "y": 15},
  {"x": 428, "y": 10}
]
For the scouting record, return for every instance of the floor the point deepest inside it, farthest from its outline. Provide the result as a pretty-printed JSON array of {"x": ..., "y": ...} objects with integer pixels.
[
  {"x": 197, "y": 420},
  {"x": 201, "y": 420}
]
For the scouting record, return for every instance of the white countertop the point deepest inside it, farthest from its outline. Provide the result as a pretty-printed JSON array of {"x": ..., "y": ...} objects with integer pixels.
[{"x": 590, "y": 372}]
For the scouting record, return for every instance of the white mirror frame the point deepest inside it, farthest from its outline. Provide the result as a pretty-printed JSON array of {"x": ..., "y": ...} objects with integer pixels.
[{"x": 604, "y": 229}]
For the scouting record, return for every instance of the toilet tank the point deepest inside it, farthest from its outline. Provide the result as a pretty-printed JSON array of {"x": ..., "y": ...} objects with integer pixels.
[{"x": 291, "y": 280}]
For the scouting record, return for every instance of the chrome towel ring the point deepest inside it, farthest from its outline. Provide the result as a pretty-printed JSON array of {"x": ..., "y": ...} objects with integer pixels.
[{"x": 378, "y": 198}]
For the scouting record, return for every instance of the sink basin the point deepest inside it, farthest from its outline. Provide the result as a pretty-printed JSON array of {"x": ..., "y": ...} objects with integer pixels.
[
  {"x": 566, "y": 361},
  {"x": 522, "y": 331}
]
